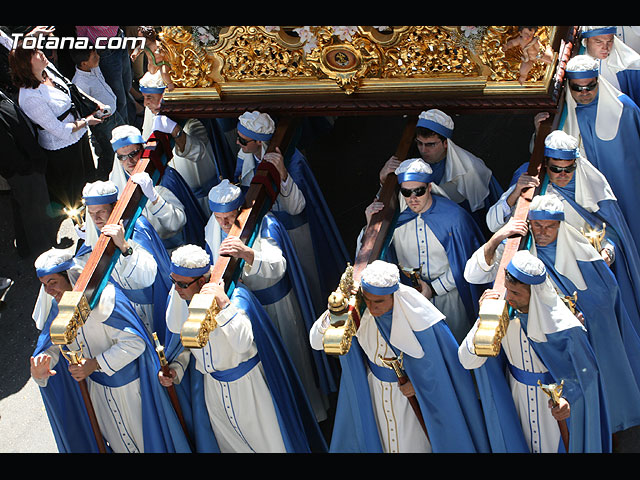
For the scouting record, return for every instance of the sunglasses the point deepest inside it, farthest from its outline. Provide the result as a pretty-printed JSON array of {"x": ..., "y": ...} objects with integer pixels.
[
  {"x": 420, "y": 191},
  {"x": 244, "y": 141},
  {"x": 557, "y": 169},
  {"x": 581, "y": 88},
  {"x": 184, "y": 285},
  {"x": 127, "y": 156}
]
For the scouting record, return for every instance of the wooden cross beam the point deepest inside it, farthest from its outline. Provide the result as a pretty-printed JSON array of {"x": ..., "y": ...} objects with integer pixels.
[{"x": 262, "y": 193}]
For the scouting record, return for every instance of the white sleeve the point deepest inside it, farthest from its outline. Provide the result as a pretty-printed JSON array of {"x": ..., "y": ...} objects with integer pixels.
[
  {"x": 477, "y": 271},
  {"x": 126, "y": 348},
  {"x": 235, "y": 325},
  {"x": 500, "y": 212},
  {"x": 167, "y": 216},
  {"x": 290, "y": 199},
  {"x": 316, "y": 334},
  {"x": 137, "y": 270},
  {"x": 268, "y": 260}
]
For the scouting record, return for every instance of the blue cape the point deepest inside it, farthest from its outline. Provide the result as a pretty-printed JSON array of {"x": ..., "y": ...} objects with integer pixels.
[
  {"x": 629, "y": 81},
  {"x": 299, "y": 427},
  {"x": 618, "y": 159},
  {"x": 66, "y": 409},
  {"x": 569, "y": 357},
  {"x": 611, "y": 335},
  {"x": 445, "y": 392},
  {"x": 460, "y": 236},
  {"x": 294, "y": 279}
]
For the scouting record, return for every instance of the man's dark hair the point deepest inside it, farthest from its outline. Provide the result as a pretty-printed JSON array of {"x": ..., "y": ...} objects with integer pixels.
[
  {"x": 510, "y": 278},
  {"x": 427, "y": 132},
  {"x": 79, "y": 55}
]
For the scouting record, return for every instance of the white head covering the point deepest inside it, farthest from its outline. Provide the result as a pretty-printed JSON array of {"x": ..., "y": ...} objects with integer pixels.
[
  {"x": 468, "y": 172},
  {"x": 412, "y": 312},
  {"x": 97, "y": 193},
  {"x": 414, "y": 170},
  {"x": 189, "y": 261},
  {"x": 571, "y": 245},
  {"x": 609, "y": 106},
  {"x": 258, "y": 126},
  {"x": 152, "y": 83},
  {"x": 52, "y": 261},
  {"x": 547, "y": 312},
  {"x": 591, "y": 186},
  {"x": 224, "y": 197}
]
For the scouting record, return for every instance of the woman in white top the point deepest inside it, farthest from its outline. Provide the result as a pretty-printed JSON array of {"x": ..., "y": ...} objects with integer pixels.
[{"x": 45, "y": 98}]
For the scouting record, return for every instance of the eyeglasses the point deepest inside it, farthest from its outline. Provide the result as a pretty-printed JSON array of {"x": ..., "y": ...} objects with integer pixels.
[
  {"x": 557, "y": 169},
  {"x": 420, "y": 191},
  {"x": 581, "y": 88},
  {"x": 184, "y": 285},
  {"x": 127, "y": 156},
  {"x": 244, "y": 141}
]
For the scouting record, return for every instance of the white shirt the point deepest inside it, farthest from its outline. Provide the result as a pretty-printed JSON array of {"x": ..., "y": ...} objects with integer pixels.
[
  {"x": 93, "y": 84},
  {"x": 43, "y": 105}
]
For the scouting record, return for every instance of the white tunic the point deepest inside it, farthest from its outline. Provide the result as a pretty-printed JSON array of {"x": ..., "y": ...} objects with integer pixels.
[
  {"x": 268, "y": 268},
  {"x": 540, "y": 429},
  {"x": 242, "y": 414},
  {"x": 398, "y": 426},
  {"x": 118, "y": 409}
]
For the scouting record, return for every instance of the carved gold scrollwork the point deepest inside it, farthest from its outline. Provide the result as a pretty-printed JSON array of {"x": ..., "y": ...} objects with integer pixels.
[{"x": 245, "y": 55}]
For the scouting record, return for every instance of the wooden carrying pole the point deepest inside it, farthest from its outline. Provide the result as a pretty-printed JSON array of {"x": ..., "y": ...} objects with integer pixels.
[
  {"x": 493, "y": 312},
  {"x": 262, "y": 193}
]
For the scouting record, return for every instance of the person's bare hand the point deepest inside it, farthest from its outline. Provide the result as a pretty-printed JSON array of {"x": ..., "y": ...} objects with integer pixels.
[
  {"x": 562, "y": 411},
  {"x": 372, "y": 209},
  {"x": 389, "y": 167},
  {"x": 277, "y": 160},
  {"x": 41, "y": 366},
  {"x": 116, "y": 232},
  {"x": 407, "y": 389},
  {"x": 167, "y": 380},
  {"x": 83, "y": 369},
  {"x": 217, "y": 290},
  {"x": 233, "y": 247}
]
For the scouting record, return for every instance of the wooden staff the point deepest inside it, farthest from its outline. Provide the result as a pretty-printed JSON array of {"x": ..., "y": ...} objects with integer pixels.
[
  {"x": 74, "y": 358},
  {"x": 396, "y": 365},
  {"x": 493, "y": 313},
  {"x": 171, "y": 390},
  {"x": 262, "y": 193},
  {"x": 554, "y": 391}
]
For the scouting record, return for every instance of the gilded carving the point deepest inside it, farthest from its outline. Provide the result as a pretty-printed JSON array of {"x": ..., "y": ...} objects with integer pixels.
[{"x": 352, "y": 56}]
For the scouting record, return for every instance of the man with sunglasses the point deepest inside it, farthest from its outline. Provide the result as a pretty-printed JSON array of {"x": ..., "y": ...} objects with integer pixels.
[
  {"x": 432, "y": 240},
  {"x": 241, "y": 388},
  {"x": 142, "y": 267},
  {"x": 300, "y": 207},
  {"x": 619, "y": 63},
  {"x": 457, "y": 173},
  {"x": 607, "y": 124},
  {"x": 588, "y": 203},
  {"x": 171, "y": 208}
]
